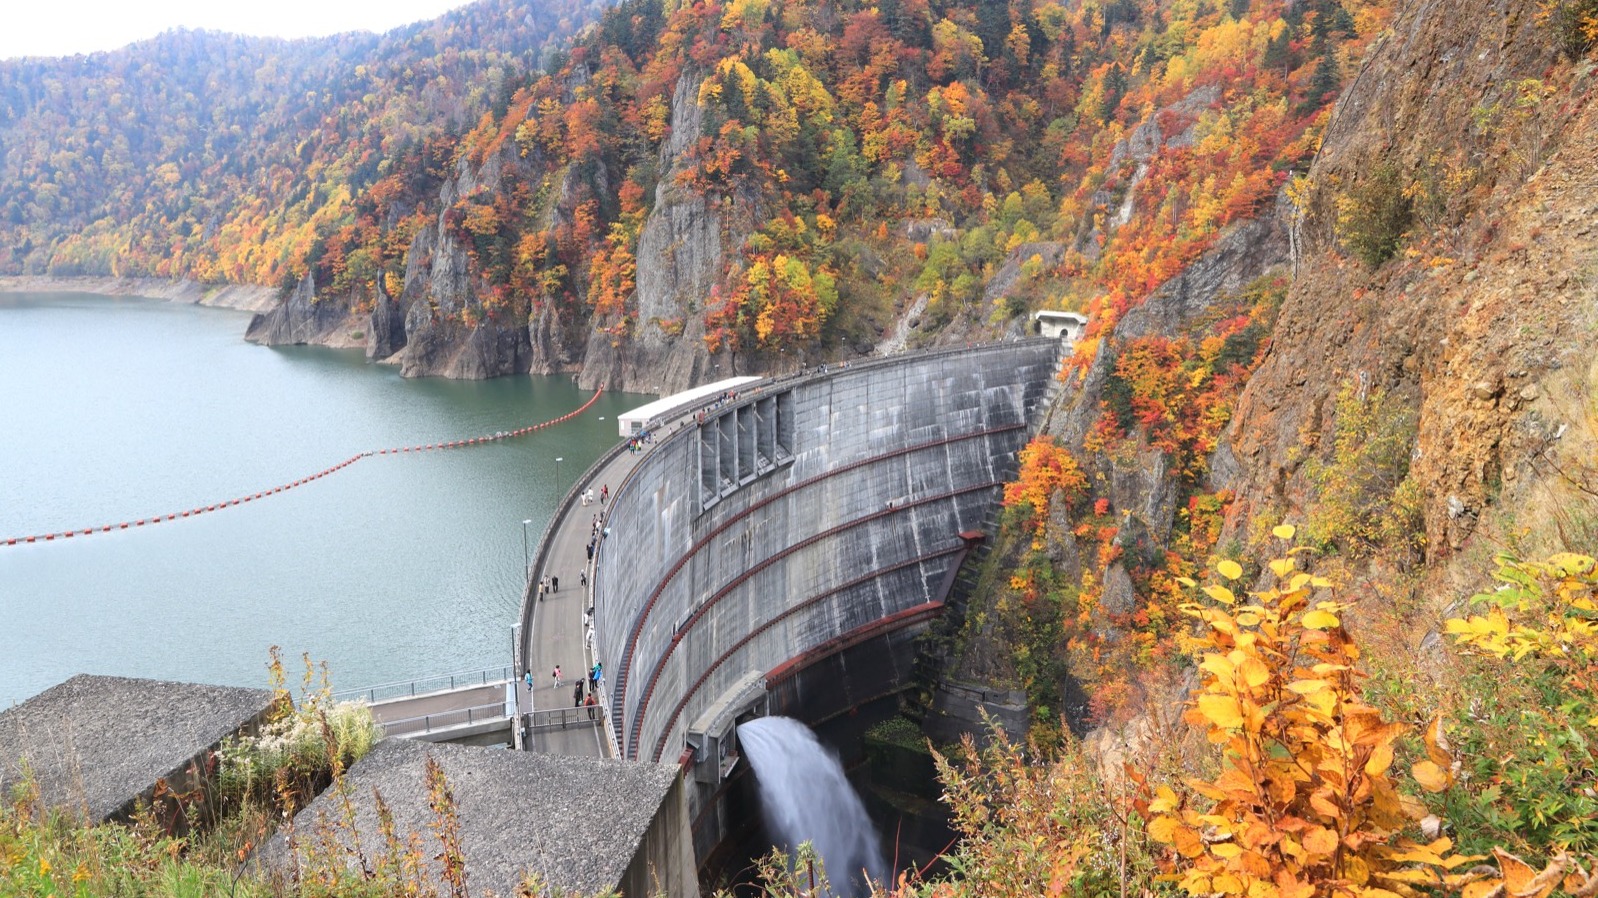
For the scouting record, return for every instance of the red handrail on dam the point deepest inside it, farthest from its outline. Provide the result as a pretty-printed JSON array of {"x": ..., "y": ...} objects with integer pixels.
[{"x": 453, "y": 444}]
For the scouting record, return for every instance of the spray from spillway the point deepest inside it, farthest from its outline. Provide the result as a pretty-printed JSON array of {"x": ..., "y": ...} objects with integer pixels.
[{"x": 805, "y": 797}]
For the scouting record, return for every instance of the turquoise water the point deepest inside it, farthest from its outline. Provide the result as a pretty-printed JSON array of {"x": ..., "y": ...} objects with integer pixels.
[{"x": 397, "y": 566}]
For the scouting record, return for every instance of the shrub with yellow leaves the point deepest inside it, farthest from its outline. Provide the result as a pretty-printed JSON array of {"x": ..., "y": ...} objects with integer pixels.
[
  {"x": 1543, "y": 617},
  {"x": 1305, "y": 805}
]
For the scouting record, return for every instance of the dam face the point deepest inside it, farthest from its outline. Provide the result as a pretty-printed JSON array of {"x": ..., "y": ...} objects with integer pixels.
[{"x": 782, "y": 550}]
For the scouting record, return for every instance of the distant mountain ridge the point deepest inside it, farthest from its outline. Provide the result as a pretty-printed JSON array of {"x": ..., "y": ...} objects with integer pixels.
[{"x": 216, "y": 157}]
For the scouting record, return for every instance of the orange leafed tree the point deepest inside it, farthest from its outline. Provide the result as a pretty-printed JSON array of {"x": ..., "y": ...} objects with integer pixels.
[
  {"x": 1306, "y": 804},
  {"x": 1046, "y": 467}
]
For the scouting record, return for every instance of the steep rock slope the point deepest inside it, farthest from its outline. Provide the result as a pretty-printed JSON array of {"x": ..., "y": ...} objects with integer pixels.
[
  {"x": 1482, "y": 323},
  {"x": 1417, "y": 395}
]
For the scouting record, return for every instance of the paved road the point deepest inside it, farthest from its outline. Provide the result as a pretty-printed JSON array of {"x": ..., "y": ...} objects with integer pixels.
[{"x": 558, "y": 636}]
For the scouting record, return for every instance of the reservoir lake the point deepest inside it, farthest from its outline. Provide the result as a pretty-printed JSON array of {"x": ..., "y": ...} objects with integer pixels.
[{"x": 398, "y": 566}]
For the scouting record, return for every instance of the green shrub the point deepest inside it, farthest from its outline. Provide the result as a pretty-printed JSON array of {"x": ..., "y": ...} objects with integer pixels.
[
  {"x": 1364, "y": 497},
  {"x": 1375, "y": 215},
  {"x": 298, "y": 752}
]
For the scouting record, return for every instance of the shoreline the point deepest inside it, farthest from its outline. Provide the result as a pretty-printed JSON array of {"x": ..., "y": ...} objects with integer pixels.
[{"x": 242, "y": 297}]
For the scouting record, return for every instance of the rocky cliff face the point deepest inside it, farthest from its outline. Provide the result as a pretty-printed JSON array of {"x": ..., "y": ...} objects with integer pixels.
[
  {"x": 301, "y": 318},
  {"x": 436, "y": 326},
  {"x": 1481, "y": 325},
  {"x": 681, "y": 252}
]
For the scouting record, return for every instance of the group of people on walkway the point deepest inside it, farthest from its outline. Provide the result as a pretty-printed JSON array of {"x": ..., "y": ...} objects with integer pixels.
[
  {"x": 551, "y": 583},
  {"x": 723, "y": 399},
  {"x": 585, "y": 691}
]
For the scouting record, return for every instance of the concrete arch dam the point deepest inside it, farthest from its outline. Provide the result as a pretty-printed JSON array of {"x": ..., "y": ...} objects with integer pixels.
[{"x": 785, "y": 548}]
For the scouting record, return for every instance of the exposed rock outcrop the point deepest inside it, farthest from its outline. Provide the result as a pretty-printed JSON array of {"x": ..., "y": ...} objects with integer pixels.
[
  {"x": 386, "y": 335},
  {"x": 681, "y": 252},
  {"x": 305, "y": 318},
  {"x": 1486, "y": 325},
  {"x": 437, "y": 326}
]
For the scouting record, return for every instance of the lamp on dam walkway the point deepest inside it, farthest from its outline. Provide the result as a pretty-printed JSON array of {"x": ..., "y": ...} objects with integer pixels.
[
  {"x": 527, "y": 561},
  {"x": 558, "y": 460}
]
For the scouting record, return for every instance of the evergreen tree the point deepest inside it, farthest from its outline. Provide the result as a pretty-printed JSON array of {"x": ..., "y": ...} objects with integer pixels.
[{"x": 1327, "y": 77}]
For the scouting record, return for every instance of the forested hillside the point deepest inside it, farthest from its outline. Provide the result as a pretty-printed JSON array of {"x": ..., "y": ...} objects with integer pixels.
[
  {"x": 835, "y": 169},
  {"x": 223, "y": 158}
]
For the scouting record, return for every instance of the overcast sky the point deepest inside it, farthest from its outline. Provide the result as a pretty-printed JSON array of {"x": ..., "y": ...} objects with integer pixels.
[{"x": 65, "y": 27}]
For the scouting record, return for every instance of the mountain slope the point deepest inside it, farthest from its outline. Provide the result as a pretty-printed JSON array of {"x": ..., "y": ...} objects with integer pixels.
[
  {"x": 751, "y": 186},
  {"x": 223, "y": 158}
]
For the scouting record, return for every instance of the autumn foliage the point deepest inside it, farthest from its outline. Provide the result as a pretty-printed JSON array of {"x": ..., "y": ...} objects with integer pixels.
[
  {"x": 1306, "y": 804},
  {"x": 1047, "y": 469},
  {"x": 1125, "y": 134}
]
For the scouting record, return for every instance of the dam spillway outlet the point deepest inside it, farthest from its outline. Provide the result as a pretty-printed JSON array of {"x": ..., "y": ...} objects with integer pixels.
[{"x": 805, "y": 797}]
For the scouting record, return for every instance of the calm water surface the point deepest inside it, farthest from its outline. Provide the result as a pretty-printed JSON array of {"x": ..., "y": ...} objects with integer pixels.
[{"x": 397, "y": 566}]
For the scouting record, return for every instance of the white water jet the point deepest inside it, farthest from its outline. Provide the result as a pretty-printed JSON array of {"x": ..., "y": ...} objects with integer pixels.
[{"x": 805, "y": 797}]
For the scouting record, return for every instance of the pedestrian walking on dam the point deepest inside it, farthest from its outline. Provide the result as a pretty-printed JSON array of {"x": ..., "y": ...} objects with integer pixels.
[
  {"x": 604, "y": 493},
  {"x": 554, "y": 584},
  {"x": 557, "y": 675},
  {"x": 577, "y": 695},
  {"x": 593, "y": 705},
  {"x": 540, "y": 589},
  {"x": 590, "y": 550},
  {"x": 582, "y": 577},
  {"x": 528, "y": 678}
]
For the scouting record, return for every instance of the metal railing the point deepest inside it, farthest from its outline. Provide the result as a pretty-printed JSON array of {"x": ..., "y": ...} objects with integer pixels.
[
  {"x": 424, "y": 685},
  {"x": 455, "y": 717},
  {"x": 565, "y": 718}
]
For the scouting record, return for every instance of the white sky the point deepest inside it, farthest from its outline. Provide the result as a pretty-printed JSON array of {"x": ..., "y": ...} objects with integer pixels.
[{"x": 65, "y": 27}]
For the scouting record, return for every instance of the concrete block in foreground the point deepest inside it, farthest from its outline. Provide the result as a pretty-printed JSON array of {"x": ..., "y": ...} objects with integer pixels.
[
  {"x": 583, "y": 825},
  {"x": 96, "y": 745}
]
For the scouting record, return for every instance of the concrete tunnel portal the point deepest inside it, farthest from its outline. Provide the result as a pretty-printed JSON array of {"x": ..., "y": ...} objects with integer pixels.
[{"x": 780, "y": 552}]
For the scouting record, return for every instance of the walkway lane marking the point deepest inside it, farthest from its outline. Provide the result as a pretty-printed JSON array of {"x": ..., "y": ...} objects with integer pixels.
[{"x": 230, "y": 503}]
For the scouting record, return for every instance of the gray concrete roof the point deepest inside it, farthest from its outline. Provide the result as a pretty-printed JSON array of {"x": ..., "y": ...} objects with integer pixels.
[
  {"x": 576, "y": 821},
  {"x": 96, "y": 743}
]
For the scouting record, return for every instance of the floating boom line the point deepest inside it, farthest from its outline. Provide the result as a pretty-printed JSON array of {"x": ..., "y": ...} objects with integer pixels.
[{"x": 206, "y": 509}]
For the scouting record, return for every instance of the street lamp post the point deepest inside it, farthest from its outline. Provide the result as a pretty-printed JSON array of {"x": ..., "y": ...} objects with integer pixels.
[
  {"x": 527, "y": 560},
  {"x": 558, "y": 460}
]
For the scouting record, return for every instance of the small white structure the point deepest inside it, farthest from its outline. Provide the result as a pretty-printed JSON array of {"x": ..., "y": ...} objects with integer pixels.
[
  {"x": 646, "y": 416},
  {"x": 1067, "y": 326}
]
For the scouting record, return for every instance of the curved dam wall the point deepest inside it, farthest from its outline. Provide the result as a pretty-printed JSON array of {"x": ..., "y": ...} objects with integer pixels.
[{"x": 789, "y": 527}]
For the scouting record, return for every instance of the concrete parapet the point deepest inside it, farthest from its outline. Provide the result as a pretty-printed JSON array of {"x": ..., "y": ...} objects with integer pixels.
[
  {"x": 583, "y": 825},
  {"x": 97, "y": 745}
]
